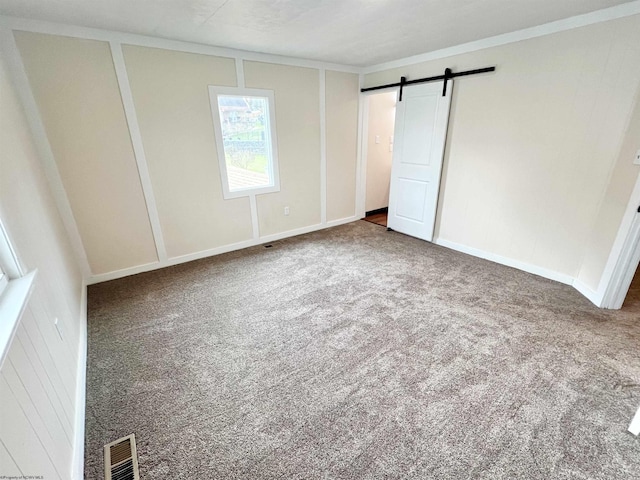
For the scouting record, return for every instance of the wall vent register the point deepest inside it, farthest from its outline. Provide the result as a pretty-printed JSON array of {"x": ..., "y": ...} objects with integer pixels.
[{"x": 121, "y": 459}]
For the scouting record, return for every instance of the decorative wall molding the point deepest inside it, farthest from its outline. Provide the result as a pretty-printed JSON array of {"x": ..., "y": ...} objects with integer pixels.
[
  {"x": 255, "y": 222},
  {"x": 116, "y": 39},
  {"x": 322, "y": 73},
  {"x": 361, "y": 151},
  {"x": 138, "y": 148},
  {"x": 77, "y": 467}
]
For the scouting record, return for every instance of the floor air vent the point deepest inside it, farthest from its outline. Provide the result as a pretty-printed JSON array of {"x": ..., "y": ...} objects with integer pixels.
[{"x": 121, "y": 459}]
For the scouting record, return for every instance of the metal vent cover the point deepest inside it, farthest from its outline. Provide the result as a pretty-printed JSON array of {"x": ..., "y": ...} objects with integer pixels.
[{"x": 121, "y": 459}]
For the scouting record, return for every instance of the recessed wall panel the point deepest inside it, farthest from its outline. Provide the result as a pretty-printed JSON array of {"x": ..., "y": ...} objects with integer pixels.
[
  {"x": 170, "y": 93},
  {"x": 297, "y": 105},
  {"x": 342, "y": 92},
  {"x": 75, "y": 87}
]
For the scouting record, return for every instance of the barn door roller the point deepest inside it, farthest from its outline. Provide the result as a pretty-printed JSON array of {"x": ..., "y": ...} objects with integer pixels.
[{"x": 448, "y": 75}]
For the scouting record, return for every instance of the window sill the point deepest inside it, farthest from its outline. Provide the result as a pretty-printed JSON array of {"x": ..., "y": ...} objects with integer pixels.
[
  {"x": 12, "y": 303},
  {"x": 248, "y": 192}
]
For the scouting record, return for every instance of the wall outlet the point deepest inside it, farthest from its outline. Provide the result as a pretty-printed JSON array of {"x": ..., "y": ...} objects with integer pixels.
[
  {"x": 636, "y": 161},
  {"x": 58, "y": 325},
  {"x": 377, "y": 138},
  {"x": 286, "y": 210}
]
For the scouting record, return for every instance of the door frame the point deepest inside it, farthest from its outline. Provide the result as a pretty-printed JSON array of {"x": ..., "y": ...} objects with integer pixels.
[
  {"x": 624, "y": 257},
  {"x": 361, "y": 176}
]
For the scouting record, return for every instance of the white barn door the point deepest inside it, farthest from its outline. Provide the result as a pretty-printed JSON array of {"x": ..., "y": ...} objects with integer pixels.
[{"x": 420, "y": 134}]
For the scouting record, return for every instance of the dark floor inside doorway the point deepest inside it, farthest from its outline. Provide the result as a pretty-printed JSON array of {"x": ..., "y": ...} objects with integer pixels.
[{"x": 379, "y": 217}]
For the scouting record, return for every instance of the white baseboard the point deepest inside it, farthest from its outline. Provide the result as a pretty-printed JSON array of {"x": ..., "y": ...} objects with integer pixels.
[
  {"x": 105, "y": 277},
  {"x": 77, "y": 468},
  {"x": 509, "y": 262},
  {"x": 593, "y": 296}
]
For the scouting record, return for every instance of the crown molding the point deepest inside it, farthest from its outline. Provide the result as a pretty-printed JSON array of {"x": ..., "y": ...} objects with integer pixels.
[
  {"x": 598, "y": 16},
  {"x": 51, "y": 28}
]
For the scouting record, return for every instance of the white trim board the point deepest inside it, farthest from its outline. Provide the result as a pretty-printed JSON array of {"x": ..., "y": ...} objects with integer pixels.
[
  {"x": 322, "y": 74},
  {"x": 138, "y": 148},
  {"x": 240, "y": 73},
  {"x": 77, "y": 467},
  {"x": 255, "y": 222},
  {"x": 598, "y": 16},
  {"x": 105, "y": 277},
  {"x": 362, "y": 151},
  {"x": 509, "y": 262},
  {"x": 593, "y": 296}
]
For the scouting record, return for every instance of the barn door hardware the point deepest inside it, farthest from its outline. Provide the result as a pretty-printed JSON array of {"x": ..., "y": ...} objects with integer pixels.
[{"x": 448, "y": 75}]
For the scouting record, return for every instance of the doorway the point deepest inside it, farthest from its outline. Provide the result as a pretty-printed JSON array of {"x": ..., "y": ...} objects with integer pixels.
[
  {"x": 632, "y": 300},
  {"x": 621, "y": 278},
  {"x": 381, "y": 114}
]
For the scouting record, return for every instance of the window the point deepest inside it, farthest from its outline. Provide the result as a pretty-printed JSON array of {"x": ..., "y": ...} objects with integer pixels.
[
  {"x": 9, "y": 265},
  {"x": 244, "y": 125},
  {"x": 15, "y": 288}
]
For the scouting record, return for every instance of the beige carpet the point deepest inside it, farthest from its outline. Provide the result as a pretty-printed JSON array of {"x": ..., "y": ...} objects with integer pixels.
[{"x": 357, "y": 353}]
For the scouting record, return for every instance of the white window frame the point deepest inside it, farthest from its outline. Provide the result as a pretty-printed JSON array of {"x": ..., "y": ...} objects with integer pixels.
[
  {"x": 271, "y": 133},
  {"x": 15, "y": 289}
]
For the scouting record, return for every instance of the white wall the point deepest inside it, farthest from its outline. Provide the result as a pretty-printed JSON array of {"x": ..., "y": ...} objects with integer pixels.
[
  {"x": 381, "y": 121},
  {"x": 39, "y": 382},
  {"x": 530, "y": 147}
]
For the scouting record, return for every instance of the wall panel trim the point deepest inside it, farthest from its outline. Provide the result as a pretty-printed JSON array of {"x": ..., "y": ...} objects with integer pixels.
[
  {"x": 77, "y": 467},
  {"x": 138, "y": 148},
  {"x": 323, "y": 145},
  {"x": 361, "y": 151}
]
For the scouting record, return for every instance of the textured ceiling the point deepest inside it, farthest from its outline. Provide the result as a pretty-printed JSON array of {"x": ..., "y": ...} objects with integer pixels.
[{"x": 353, "y": 32}]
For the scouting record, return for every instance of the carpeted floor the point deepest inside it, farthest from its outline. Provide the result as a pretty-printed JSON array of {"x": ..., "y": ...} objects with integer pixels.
[{"x": 357, "y": 353}]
